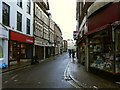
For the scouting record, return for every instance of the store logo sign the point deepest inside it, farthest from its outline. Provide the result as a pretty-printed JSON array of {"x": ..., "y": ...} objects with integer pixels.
[{"x": 28, "y": 40}]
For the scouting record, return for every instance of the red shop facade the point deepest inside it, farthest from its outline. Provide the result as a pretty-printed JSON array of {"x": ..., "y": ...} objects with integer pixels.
[
  {"x": 20, "y": 47},
  {"x": 104, "y": 40}
]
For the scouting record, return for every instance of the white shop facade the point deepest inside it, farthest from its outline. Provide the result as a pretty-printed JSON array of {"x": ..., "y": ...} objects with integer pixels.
[{"x": 4, "y": 37}]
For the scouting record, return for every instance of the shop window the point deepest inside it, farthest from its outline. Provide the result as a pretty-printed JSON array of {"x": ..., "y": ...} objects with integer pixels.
[
  {"x": 23, "y": 51},
  {"x": 101, "y": 51},
  {"x": 1, "y": 48},
  {"x": 118, "y": 51},
  {"x": 14, "y": 51}
]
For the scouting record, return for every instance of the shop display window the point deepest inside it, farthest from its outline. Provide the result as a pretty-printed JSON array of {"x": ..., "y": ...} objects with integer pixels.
[
  {"x": 14, "y": 50},
  {"x": 101, "y": 51},
  {"x": 1, "y": 48},
  {"x": 117, "y": 51},
  {"x": 23, "y": 51}
]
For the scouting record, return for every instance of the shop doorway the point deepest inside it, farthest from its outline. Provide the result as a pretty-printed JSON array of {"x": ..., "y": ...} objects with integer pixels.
[{"x": 19, "y": 52}]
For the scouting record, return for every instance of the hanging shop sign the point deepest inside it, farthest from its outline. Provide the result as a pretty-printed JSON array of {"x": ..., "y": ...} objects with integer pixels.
[{"x": 75, "y": 35}]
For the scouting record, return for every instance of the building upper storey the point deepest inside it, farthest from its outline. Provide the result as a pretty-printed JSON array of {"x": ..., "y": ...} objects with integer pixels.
[
  {"x": 43, "y": 4},
  {"x": 17, "y": 15},
  {"x": 40, "y": 14},
  {"x": 58, "y": 31}
]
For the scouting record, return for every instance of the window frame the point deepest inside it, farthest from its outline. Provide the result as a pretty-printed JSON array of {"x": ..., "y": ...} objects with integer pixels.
[
  {"x": 19, "y": 3},
  {"x": 19, "y": 21},
  {"x": 7, "y": 15},
  {"x": 28, "y": 7},
  {"x": 28, "y": 26}
]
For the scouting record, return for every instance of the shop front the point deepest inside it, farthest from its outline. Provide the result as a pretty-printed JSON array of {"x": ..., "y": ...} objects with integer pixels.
[
  {"x": 52, "y": 49},
  {"x": 39, "y": 48},
  {"x": 103, "y": 41},
  {"x": 104, "y": 52},
  {"x": 39, "y": 52},
  {"x": 20, "y": 47},
  {"x": 101, "y": 50},
  {"x": 4, "y": 36}
]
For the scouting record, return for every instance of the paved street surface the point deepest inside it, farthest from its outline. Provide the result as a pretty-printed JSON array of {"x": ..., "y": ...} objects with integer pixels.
[
  {"x": 49, "y": 74},
  {"x": 89, "y": 80},
  {"x": 57, "y": 72}
]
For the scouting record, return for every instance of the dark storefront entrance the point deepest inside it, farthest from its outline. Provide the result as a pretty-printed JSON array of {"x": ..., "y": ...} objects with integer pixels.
[
  {"x": 20, "y": 47},
  {"x": 39, "y": 51},
  {"x": 20, "y": 51},
  {"x": 47, "y": 52}
]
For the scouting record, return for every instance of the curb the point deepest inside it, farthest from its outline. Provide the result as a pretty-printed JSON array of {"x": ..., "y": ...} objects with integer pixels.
[
  {"x": 20, "y": 67},
  {"x": 75, "y": 80},
  {"x": 4, "y": 71}
]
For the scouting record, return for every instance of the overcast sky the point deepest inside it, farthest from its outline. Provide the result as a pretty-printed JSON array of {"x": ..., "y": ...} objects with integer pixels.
[{"x": 64, "y": 14}]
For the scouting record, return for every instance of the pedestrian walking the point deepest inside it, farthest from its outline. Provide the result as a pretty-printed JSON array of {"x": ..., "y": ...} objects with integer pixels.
[
  {"x": 73, "y": 54},
  {"x": 61, "y": 51},
  {"x": 69, "y": 51}
]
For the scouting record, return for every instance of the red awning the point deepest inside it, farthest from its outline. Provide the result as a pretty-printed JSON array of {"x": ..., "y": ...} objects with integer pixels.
[
  {"x": 106, "y": 15},
  {"x": 98, "y": 29}
]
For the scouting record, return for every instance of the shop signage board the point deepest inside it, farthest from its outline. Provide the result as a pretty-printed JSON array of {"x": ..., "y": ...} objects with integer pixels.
[
  {"x": 38, "y": 41},
  {"x": 21, "y": 37}
]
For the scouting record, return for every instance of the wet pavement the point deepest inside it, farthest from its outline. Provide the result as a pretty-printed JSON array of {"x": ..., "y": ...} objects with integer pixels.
[
  {"x": 48, "y": 74},
  {"x": 87, "y": 79},
  {"x": 56, "y": 72}
]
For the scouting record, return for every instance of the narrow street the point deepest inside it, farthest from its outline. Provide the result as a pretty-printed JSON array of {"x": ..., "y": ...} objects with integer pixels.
[
  {"x": 60, "y": 44},
  {"x": 49, "y": 74}
]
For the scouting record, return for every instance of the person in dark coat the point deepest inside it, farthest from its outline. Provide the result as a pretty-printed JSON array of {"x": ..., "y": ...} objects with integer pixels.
[
  {"x": 69, "y": 51},
  {"x": 73, "y": 54}
]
